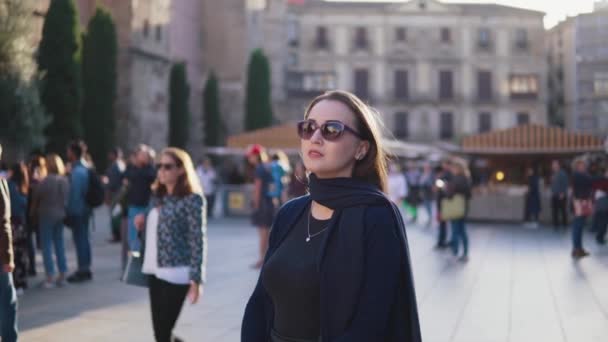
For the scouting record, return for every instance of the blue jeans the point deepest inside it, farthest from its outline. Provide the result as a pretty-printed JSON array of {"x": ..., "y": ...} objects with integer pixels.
[
  {"x": 51, "y": 232},
  {"x": 82, "y": 241},
  {"x": 577, "y": 231},
  {"x": 132, "y": 238},
  {"x": 459, "y": 232},
  {"x": 8, "y": 308}
]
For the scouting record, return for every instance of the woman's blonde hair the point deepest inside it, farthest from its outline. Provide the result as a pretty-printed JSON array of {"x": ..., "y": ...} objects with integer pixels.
[
  {"x": 55, "y": 165},
  {"x": 187, "y": 183},
  {"x": 373, "y": 167}
]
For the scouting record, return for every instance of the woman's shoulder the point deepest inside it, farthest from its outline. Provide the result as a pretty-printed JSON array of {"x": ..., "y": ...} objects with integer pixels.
[
  {"x": 381, "y": 214},
  {"x": 195, "y": 199},
  {"x": 293, "y": 206}
]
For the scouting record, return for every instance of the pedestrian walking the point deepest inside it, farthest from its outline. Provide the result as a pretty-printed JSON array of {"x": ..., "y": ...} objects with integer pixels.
[
  {"x": 175, "y": 241},
  {"x": 37, "y": 171},
  {"x": 559, "y": 196},
  {"x": 427, "y": 182},
  {"x": 600, "y": 210},
  {"x": 582, "y": 205},
  {"x": 337, "y": 267},
  {"x": 139, "y": 175},
  {"x": 49, "y": 205},
  {"x": 78, "y": 212},
  {"x": 444, "y": 177},
  {"x": 459, "y": 186},
  {"x": 8, "y": 294},
  {"x": 208, "y": 180},
  {"x": 279, "y": 167},
  {"x": 262, "y": 204},
  {"x": 18, "y": 185},
  {"x": 532, "y": 201},
  {"x": 113, "y": 181},
  {"x": 396, "y": 184},
  {"x": 413, "y": 200}
]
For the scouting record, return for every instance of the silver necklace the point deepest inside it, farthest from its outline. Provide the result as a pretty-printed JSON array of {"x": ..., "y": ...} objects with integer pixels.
[{"x": 308, "y": 228}]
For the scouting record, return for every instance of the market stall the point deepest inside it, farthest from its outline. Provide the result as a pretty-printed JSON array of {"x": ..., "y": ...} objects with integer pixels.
[{"x": 499, "y": 160}]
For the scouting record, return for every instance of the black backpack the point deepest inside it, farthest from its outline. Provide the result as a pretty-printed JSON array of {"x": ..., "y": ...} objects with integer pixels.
[{"x": 95, "y": 193}]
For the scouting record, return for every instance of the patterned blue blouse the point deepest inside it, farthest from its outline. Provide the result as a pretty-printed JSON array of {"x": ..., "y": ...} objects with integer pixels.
[{"x": 182, "y": 233}]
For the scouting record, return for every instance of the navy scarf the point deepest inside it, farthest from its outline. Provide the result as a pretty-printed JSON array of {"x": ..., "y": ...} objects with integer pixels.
[{"x": 349, "y": 197}]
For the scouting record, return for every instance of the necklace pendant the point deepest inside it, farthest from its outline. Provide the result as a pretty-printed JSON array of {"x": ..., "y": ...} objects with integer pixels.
[{"x": 308, "y": 239}]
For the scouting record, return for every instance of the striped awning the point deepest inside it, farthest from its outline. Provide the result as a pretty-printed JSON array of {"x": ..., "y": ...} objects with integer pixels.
[{"x": 531, "y": 139}]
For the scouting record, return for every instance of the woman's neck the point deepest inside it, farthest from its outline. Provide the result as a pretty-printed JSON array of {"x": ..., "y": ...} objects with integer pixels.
[
  {"x": 320, "y": 212},
  {"x": 170, "y": 188}
]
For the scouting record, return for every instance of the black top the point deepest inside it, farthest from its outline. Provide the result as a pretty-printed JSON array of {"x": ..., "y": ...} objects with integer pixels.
[
  {"x": 291, "y": 278},
  {"x": 140, "y": 182},
  {"x": 582, "y": 185}
]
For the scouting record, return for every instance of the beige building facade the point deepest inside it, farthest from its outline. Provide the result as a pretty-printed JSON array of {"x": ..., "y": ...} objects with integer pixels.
[
  {"x": 435, "y": 71},
  {"x": 578, "y": 71}
]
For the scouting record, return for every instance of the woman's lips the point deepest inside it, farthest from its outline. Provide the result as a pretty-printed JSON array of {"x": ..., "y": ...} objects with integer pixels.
[{"x": 315, "y": 154}]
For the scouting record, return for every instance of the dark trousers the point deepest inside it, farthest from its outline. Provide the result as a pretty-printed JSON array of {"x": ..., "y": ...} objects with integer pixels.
[
  {"x": 578, "y": 223},
  {"x": 600, "y": 225},
  {"x": 443, "y": 233},
  {"x": 32, "y": 242},
  {"x": 82, "y": 242},
  {"x": 459, "y": 234},
  {"x": 558, "y": 208},
  {"x": 166, "y": 302},
  {"x": 8, "y": 308},
  {"x": 210, "y": 203}
]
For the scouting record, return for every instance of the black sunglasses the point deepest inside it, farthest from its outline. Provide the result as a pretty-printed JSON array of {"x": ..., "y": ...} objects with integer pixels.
[
  {"x": 330, "y": 130},
  {"x": 166, "y": 166}
]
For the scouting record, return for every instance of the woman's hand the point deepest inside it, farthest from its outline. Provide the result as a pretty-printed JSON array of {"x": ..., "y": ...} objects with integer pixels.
[
  {"x": 195, "y": 291},
  {"x": 139, "y": 221}
]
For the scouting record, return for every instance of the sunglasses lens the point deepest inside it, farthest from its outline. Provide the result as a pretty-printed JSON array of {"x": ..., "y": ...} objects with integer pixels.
[
  {"x": 306, "y": 129},
  {"x": 332, "y": 130},
  {"x": 166, "y": 167}
]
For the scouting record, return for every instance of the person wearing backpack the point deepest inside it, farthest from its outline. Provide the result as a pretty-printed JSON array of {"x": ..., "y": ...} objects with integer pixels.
[
  {"x": 139, "y": 176},
  {"x": 78, "y": 211}
]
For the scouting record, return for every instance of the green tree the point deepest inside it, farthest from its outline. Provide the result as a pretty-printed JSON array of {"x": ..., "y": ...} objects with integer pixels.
[
  {"x": 21, "y": 113},
  {"x": 59, "y": 64},
  {"x": 99, "y": 55},
  {"x": 179, "y": 114},
  {"x": 258, "y": 107},
  {"x": 211, "y": 112}
]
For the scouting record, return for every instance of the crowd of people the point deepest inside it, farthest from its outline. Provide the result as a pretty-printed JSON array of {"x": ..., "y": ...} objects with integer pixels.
[
  {"x": 442, "y": 191},
  {"x": 161, "y": 206},
  {"x": 324, "y": 244}
]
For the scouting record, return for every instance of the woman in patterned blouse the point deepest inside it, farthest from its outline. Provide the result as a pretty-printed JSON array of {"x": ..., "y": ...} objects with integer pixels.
[{"x": 175, "y": 240}]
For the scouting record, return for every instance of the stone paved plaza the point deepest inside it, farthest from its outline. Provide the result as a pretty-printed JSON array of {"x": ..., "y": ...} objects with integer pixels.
[{"x": 519, "y": 286}]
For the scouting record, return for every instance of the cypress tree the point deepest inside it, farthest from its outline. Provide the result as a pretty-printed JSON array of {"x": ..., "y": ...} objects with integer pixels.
[
  {"x": 258, "y": 107},
  {"x": 211, "y": 112},
  {"x": 179, "y": 114},
  {"x": 59, "y": 64},
  {"x": 99, "y": 60}
]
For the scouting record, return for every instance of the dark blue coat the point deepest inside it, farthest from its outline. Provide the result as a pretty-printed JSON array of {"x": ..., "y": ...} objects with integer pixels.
[{"x": 366, "y": 285}]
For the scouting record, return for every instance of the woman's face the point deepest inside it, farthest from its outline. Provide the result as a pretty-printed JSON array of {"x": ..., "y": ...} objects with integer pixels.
[
  {"x": 329, "y": 159},
  {"x": 168, "y": 171}
]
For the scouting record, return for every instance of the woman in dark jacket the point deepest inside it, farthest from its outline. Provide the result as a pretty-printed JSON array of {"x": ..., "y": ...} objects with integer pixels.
[
  {"x": 18, "y": 185},
  {"x": 337, "y": 267},
  {"x": 532, "y": 199}
]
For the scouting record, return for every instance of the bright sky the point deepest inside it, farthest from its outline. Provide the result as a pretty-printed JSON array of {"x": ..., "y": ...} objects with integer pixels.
[{"x": 556, "y": 9}]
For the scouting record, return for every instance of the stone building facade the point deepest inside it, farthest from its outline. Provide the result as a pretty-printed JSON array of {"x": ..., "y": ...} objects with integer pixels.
[
  {"x": 152, "y": 35},
  {"x": 436, "y": 71},
  {"x": 578, "y": 71}
]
